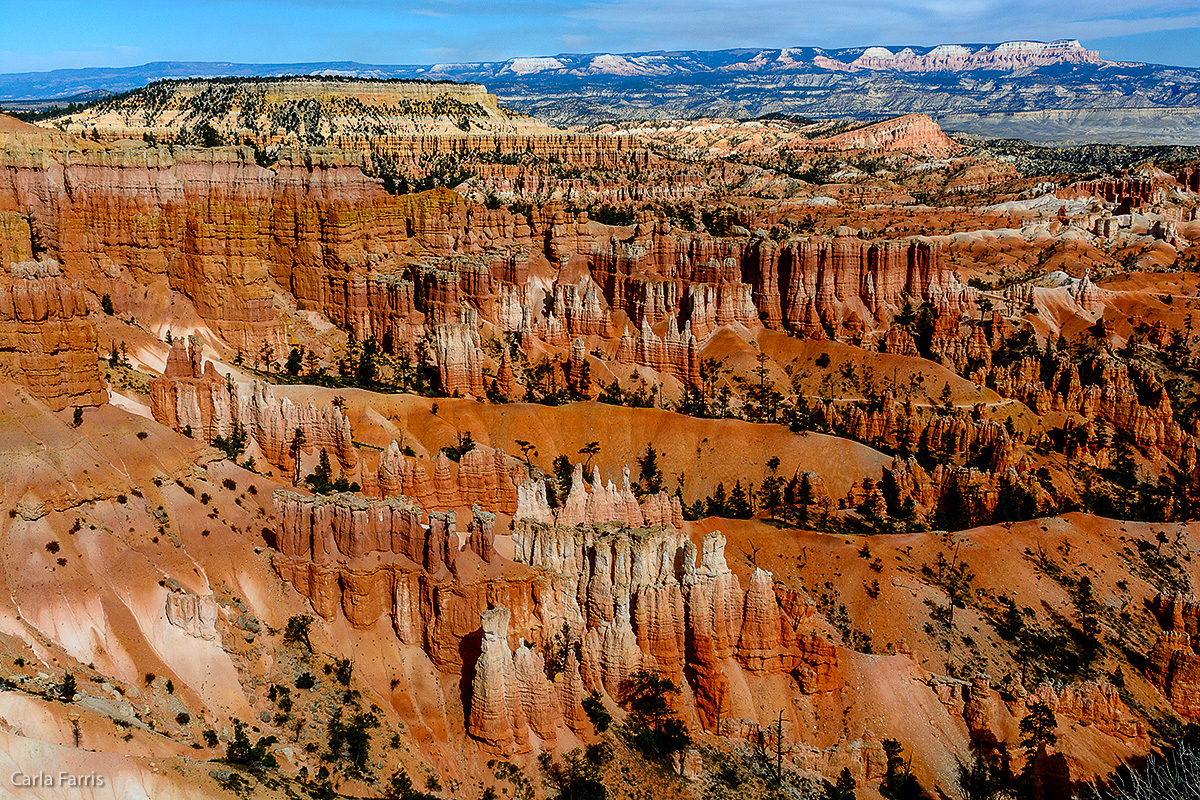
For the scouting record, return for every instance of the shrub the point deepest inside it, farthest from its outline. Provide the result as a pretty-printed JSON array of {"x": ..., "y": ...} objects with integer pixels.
[
  {"x": 351, "y": 740},
  {"x": 558, "y": 649},
  {"x": 577, "y": 776},
  {"x": 1175, "y": 775},
  {"x": 240, "y": 751},
  {"x": 401, "y": 788},
  {"x": 608, "y": 214},
  {"x": 464, "y": 445},
  {"x": 232, "y": 446},
  {"x": 898, "y": 781}
]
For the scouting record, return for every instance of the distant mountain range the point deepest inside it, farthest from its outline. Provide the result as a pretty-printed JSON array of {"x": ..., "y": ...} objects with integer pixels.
[{"x": 1057, "y": 91}]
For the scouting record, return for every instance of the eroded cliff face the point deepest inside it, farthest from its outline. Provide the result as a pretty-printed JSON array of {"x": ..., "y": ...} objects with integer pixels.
[
  {"x": 485, "y": 476},
  {"x": 1128, "y": 396},
  {"x": 300, "y": 111},
  {"x": 912, "y": 132},
  {"x": 215, "y": 226},
  {"x": 814, "y": 285},
  {"x": 1174, "y": 662},
  {"x": 598, "y": 502},
  {"x": 47, "y": 343},
  {"x": 190, "y": 396},
  {"x": 604, "y": 599},
  {"x": 235, "y": 238}
]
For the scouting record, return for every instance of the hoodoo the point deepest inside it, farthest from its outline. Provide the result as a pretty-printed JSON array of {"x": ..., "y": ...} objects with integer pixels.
[{"x": 561, "y": 432}]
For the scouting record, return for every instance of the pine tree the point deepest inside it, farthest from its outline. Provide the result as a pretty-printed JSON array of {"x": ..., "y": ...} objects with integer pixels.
[
  {"x": 1124, "y": 468},
  {"x": 590, "y": 450},
  {"x": 650, "y": 478},
  {"x": 1089, "y": 623},
  {"x": 298, "y": 442},
  {"x": 294, "y": 360},
  {"x": 898, "y": 781},
  {"x": 1037, "y": 728},
  {"x": 321, "y": 479},
  {"x": 562, "y": 475},
  {"x": 717, "y": 503},
  {"x": 769, "y": 495},
  {"x": 844, "y": 788},
  {"x": 806, "y": 496},
  {"x": 977, "y": 782},
  {"x": 739, "y": 504},
  {"x": 947, "y": 397}
]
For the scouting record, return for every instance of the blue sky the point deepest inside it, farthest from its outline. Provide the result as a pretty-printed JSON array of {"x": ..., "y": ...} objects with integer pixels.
[{"x": 51, "y": 34}]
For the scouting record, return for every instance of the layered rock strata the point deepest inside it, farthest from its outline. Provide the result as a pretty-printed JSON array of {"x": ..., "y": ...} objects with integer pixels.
[
  {"x": 598, "y": 502},
  {"x": 1173, "y": 664},
  {"x": 485, "y": 476},
  {"x": 420, "y": 273},
  {"x": 624, "y": 599},
  {"x": 47, "y": 342},
  {"x": 190, "y": 396},
  {"x": 647, "y": 603},
  {"x": 460, "y": 358}
]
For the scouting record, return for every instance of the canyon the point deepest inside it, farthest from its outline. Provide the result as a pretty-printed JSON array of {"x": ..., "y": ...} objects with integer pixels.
[{"x": 418, "y": 450}]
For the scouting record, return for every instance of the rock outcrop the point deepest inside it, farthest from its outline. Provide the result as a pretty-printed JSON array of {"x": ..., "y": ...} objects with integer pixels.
[
  {"x": 915, "y": 133},
  {"x": 47, "y": 341},
  {"x": 624, "y": 598},
  {"x": 496, "y": 717},
  {"x": 459, "y": 359},
  {"x": 196, "y": 616},
  {"x": 191, "y": 397},
  {"x": 485, "y": 476},
  {"x": 958, "y": 58},
  {"x": 648, "y": 603},
  {"x": 811, "y": 285},
  {"x": 597, "y": 503},
  {"x": 1129, "y": 397},
  {"x": 1093, "y": 703},
  {"x": 1173, "y": 664}
]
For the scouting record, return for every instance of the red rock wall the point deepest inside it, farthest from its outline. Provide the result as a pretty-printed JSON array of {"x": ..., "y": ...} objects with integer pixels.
[
  {"x": 47, "y": 341},
  {"x": 644, "y": 588},
  {"x": 626, "y": 598},
  {"x": 486, "y": 477},
  {"x": 187, "y": 397},
  {"x": 217, "y": 227},
  {"x": 1173, "y": 664}
]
